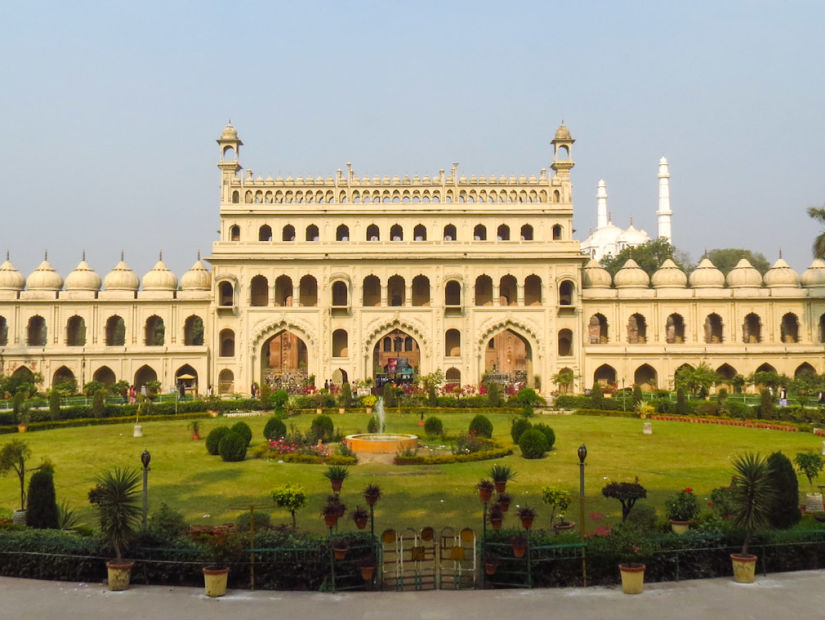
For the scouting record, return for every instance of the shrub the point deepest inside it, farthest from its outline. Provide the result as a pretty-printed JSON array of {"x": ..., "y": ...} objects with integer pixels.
[
  {"x": 345, "y": 398},
  {"x": 232, "y": 447},
  {"x": 627, "y": 493},
  {"x": 642, "y": 518},
  {"x": 164, "y": 527},
  {"x": 682, "y": 407},
  {"x": 244, "y": 521},
  {"x": 275, "y": 428},
  {"x": 291, "y": 498},
  {"x": 42, "y": 509},
  {"x": 494, "y": 394},
  {"x": 637, "y": 394},
  {"x": 481, "y": 426},
  {"x": 548, "y": 433},
  {"x": 596, "y": 396},
  {"x": 373, "y": 426},
  {"x": 784, "y": 511},
  {"x": 99, "y": 404},
  {"x": 322, "y": 428},
  {"x": 683, "y": 506},
  {"x": 518, "y": 426},
  {"x": 433, "y": 427},
  {"x": 278, "y": 399},
  {"x": 54, "y": 404},
  {"x": 242, "y": 428},
  {"x": 213, "y": 439},
  {"x": 533, "y": 444}
]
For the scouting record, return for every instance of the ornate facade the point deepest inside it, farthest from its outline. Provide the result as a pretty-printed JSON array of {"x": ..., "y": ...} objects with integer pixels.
[{"x": 346, "y": 277}]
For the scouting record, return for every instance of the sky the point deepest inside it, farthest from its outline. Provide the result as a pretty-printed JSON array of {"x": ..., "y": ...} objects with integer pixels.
[{"x": 111, "y": 111}]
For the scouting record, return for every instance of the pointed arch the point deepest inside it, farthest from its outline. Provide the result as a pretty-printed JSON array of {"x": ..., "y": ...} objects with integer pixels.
[
  {"x": 76, "y": 331},
  {"x": 597, "y": 329},
  {"x": 605, "y": 375},
  {"x": 193, "y": 331},
  {"x": 104, "y": 375},
  {"x": 646, "y": 376}
]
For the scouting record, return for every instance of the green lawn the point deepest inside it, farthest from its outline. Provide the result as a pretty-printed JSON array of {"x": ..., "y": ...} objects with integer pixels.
[{"x": 207, "y": 490}]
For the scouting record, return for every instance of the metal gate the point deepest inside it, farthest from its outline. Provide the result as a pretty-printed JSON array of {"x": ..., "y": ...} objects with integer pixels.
[{"x": 422, "y": 560}]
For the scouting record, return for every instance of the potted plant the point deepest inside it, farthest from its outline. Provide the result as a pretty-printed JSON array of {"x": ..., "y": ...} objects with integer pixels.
[
  {"x": 681, "y": 509},
  {"x": 490, "y": 564},
  {"x": 333, "y": 510},
  {"x": 195, "y": 425},
  {"x": 360, "y": 516},
  {"x": 221, "y": 547},
  {"x": 519, "y": 543},
  {"x": 318, "y": 399},
  {"x": 372, "y": 494},
  {"x": 633, "y": 551},
  {"x": 751, "y": 497},
  {"x": 504, "y": 500},
  {"x": 485, "y": 490},
  {"x": 369, "y": 402},
  {"x": 810, "y": 464},
  {"x": 116, "y": 498},
  {"x": 559, "y": 500},
  {"x": 340, "y": 546},
  {"x": 367, "y": 565},
  {"x": 526, "y": 514},
  {"x": 496, "y": 516},
  {"x": 24, "y": 418},
  {"x": 501, "y": 474},
  {"x": 336, "y": 474}
]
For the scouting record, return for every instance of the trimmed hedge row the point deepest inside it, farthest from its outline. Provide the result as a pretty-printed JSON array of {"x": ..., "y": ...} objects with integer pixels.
[
  {"x": 43, "y": 426},
  {"x": 497, "y": 451}
]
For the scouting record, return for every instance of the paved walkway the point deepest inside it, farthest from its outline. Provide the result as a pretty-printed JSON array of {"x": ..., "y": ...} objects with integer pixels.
[{"x": 780, "y": 595}]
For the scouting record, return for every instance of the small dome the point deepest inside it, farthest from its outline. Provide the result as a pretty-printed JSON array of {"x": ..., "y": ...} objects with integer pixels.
[
  {"x": 83, "y": 278},
  {"x": 10, "y": 278},
  {"x": 121, "y": 278},
  {"x": 563, "y": 133},
  {"x": 633, "y": 236},
  {"x": 160, "y": 279},
  {"x": 706, "y": 275},
  {"x": 812, "y": 276},
  {"x": 781, "y": 275},
  {"x": 595, "y": 276},
  {"x": 744, "y": 275},
  {"x": 44, "y": 278},
  {"x": 631, "y": 276},
  {"x": 197, "y": 278},
  {"x": 229, "y": 132},
  {"x": 669, "y": 276}
]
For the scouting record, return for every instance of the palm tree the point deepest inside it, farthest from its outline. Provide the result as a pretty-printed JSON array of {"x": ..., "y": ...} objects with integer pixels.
[
  {"x": 753, "y": 494},
  {"x": 818, "y": 213},
  {"x": 116, "y": 497}
]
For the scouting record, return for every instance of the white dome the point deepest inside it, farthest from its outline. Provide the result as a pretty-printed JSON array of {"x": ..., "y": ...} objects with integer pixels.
[
  {"x": 83, "y": 278},
  {"x": 744, "y": 275},
  {"x": 631, "y": 276},
  {"x": 121, "y": 278},
  {"x": 634, "y": 237},
  {"x": 669, "y": 276},
  {"x": 44, "y": 278},
  {"x": 160, "y": 279},
  {"x": 781, "y": 275},
  {"x": 706, "y": 275},
  {"x": 812, "y": 276},
  {"x": 10, "y": 278},
  {"x": 197, "y": 278},
  {"x": 595, "y": 276}
]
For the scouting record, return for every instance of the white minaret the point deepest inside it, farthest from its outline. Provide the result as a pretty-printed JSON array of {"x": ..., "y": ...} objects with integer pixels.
[
  {"x": 664, "y": 213},
  {"x": 601, "y": 205}
]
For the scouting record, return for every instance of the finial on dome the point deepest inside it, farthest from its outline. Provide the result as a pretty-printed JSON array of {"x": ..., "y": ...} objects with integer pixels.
[
  {"x": 46, "y": 255},
  {"x": 7, "y": 255},
  {"x": 160, "y": 256},
  {"x": 199, "y": 254},
  {"x": 83, "y": 255},
  {"x": 780, "y": 252},
  {"x": 121, "y": 255}
]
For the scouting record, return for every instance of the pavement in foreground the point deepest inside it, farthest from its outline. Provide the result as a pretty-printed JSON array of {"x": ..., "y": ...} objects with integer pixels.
[{"x": 779, "y": 595}]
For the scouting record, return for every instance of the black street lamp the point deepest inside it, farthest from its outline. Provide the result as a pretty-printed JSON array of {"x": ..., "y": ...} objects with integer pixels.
[
  {"x": 582, "y": 453},
  {"x": 145, "y": 457}
]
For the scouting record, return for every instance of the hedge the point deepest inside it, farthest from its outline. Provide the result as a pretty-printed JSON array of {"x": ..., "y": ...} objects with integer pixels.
[{"x": 497, "y": 451}]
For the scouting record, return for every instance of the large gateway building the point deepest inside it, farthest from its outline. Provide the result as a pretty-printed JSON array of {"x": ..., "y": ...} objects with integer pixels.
[{"x": 348, "y": 277}]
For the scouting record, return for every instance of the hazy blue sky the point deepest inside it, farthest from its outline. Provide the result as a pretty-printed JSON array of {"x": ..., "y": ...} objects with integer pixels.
[{"x": 111, "y": 111}]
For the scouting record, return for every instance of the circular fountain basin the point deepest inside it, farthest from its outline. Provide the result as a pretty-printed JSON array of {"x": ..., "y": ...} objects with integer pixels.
[{"x": 382, "y": 443}]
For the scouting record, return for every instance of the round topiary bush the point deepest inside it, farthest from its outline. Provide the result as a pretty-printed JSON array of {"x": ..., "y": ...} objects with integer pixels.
[
  {"x": 278, "y": 399},
  {"x": 373, "y": 426},
  {"x": 242, "y": 428},
  {"x": 232, "y": 447},
  {"x": 213, "y": 439},
  {"x": 533, "y": 444},
  {"x": 481, "y": 426},
  {"x": 518, "y": 427},
  {"x": 244, "y": 521},
  {"x": 433, "y": 427},
  {"x": 275, "y": 428},
  {"x": 548, "y": 432},
  {"x": 322, "y": 428}
]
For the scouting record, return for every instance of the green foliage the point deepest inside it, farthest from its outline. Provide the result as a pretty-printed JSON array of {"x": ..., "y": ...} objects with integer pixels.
[
  {"x": 597, "y": 396},
  {"x": 642, "y": 518},
  {"x": 628, "y": 493},
  {"x": 564, "y": 378},
  {"x": 390, "y": 395},
  {"x": 559, "y": 500},
  {"x": 809, "y": 464},
  {"x": 116, "y": 498},
  {"x": 54, "y": 404},
  {"x": 242, "y": 429},
  {"x": 784, "y": 511},
  {"x": 164, "y": 526},
  {"x": 278, "y": 399},
  {"x": 682, "y": 407},
  {"x": 766, "y": 409},
  {"x": 373, "y": 425},
  {"x": 275, "y": 428},
  {"x": 533, "y": 444},
  {"x": 501, "y": 473},
  {"x": 290, "y": 497},
  {"x": 42, "y": 509},
  {"x": 517, "y": 428},
  {"x": 528, "y": 396},
  {"x": 369, "y": 400},
  {"x": 213, "y": 439},
  {"x": 482, "y": 426},
  {"x": 725, "y": 259},
  {"x": 322, "y": 428},
  {"x": 753, "y": 494},
  {"x": 345, "y": 397},
  {"x": 336, "y": 473},
  {"x": 649, "y": 257},
  {"x": 695, "y": 380},
  {"x": 494, "y": 394},
  {"x": 244, "y": 522},
  {"x": 683, "y": 506},
  {"x": 93, "y": 387},
  {"x": 232, "y": 447},
  {"x": 99, "y": 404},
  {"x": 818, "y": 214},
  {"x": 549, "y": 434},
  {"x": 637, "y": 394},
  {"x": 433, "y": 427},
  {"x": 13, "y": 457}
]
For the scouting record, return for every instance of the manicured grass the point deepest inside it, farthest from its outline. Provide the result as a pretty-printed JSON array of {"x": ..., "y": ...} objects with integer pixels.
[{"x": 207, "y": 490}]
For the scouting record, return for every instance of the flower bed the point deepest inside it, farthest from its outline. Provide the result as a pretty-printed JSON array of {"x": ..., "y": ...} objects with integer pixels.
[{"x": 726, "y": 422}]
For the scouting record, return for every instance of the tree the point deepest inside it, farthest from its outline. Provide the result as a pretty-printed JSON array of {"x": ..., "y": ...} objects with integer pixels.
[
  {"x": 637, "y": 394},
  {"x": 696, "y": 379},
  {"x": 54, "y": 404},
  {"x": 564, "y": 379},
  {"x": 804, "y": 385},
  {"x": 767, "y": 378},
  {"x": 116, "y": 498},
  {"x": 596, "y": 396},
  {"x": 784, "y": 512},
  {"x": 42, "y": 512},
  {"x": 818, "y": 213},
  {"x": 810, "y": 464},
  {"x": 649, "y": 257},
  {"x": 13, "y": 457},
  {"x": 290, "y": 497},
  {"x": 628, "y": 493},
  {"x": 725, "y": 259},
  {"x": 752, "y": 494}
]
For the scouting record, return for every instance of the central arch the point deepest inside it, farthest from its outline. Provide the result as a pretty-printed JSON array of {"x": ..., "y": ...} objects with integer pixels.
[
  {"x": 284, "y": 361},
  {"x": 396, "y": 357},
  {"x": 509, "y": 354}
]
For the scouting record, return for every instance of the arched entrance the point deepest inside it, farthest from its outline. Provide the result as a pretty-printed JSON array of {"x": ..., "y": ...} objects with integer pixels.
[
  {"x": 284, "y": 362},
  {"x": 509, "y": 357},
  {"x": 396, "y": 357},
  {"x": 64, "y": 380},
  {"x": 187, "y": 377},
  {"x": 104, "y": 375},
  {"x": 144, "y": 375}
]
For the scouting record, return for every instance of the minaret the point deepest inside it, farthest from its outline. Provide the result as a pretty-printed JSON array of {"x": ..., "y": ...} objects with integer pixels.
[
  {"x": 229, "y": 144},
  {"x": 601, "y": 205},
  {"x": 664, "y": 213}
]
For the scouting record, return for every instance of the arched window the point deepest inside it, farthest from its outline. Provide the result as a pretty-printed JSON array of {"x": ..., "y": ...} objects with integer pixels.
[
  {"x": 420, "y": 232},
  {"x": 566, "y": 293},
  {"x": 115, "y": 331},
  {"x": 371, "y": 292},
  {"x": 527, "y": 233},
  {"x": 408, "y": 344},
  {"x": 752, "y": 329},
  {"x": 373, "y": 233},
  {"x": 675, "y": 329},
  {"x": 452, "y": 377},
  {"x": 480, "y": 233},
  {"x": 565, "y": 343},
  {"x": 259, "y": 291},
  {"x": 713, "y": 329},
  {"x": 503, "y": 233},
  {"x": 557, "y": 232},
  {"x": 398, "y": 344},
  {"x": 636, "y": 329},
  {"x": 484, "y": 291},
  {"x": 508, "y": 291},
  {"x": 236, "y": 197},
  {"x": 340, "y": 295},
  {"x": 36, "y": 332},
  {"x": 452, "y": 294},
  {"x": 283, "y": 291},
  {"x": 76, "y": 332},
  {"x": 387, "y": 344},
  {"x": 789, "y": 328},
  {"x": 308, "y": 291},
  {"x": 340, "y": 343},
  {"x": 312, "y": 233},
  {"x": 226, "y": 343},
  {"x": 154, "y": 332},
  {"x": 597, "y": 329},
  {"x": 449, "y": 233},
  {"x": 396, "y": 233},
  {"x": 342, "y": 233},
  {"x": 396, "y": 291},
  {"x": 821, "y": 328},
  {"x": 4, "y": 331},
  {"x": 265, "y": 233},
  {"x": 532, "y": 291},
  {"x": 288, "y": 233},
  {"x": 421, "y": 291},
  {"x": 193, "y": 331},
  {"x": 226, "y": 294},
  {"x": 235, "y": 233},
  {"x": 452, "y": 343}
]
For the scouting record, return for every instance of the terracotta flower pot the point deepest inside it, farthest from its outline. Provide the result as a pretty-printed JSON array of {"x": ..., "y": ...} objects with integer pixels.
[
  {"x": 485, "y": 495},
  {"x": 496, "y": 523},
  {"x": 120, "y": 574},
  {"x": 679, "y": 527},
  {"x": 564, "y": 526},
  {"x": 214, "y": 581},
  {"x": 527, "y": 522},
  {"x": 744, "y": 567},
  {"x": 501, "y": 486},
  {"x": 371, "y": 500},
  {"x": 505, "y": 506},
  {"x": 336, "y": 485},
  {"x": 633, "y": 578},
  {"x": 490, "y": 568},
  {"x": 340, "y": 552},
  {"x": 331, "y": 520},
  {"x": 367, "y": 573},
  {"x": 519, "y": 550},
  {"x": 361, "y": 523}
]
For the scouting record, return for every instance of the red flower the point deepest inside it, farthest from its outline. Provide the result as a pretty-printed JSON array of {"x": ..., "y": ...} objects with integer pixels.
[
  {"x": 710, "y": 504},
  {"x": 688, "y": 490}
]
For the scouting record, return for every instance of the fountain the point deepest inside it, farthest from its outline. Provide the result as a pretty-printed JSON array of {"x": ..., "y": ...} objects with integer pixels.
[{"x": 381, "y": 442}]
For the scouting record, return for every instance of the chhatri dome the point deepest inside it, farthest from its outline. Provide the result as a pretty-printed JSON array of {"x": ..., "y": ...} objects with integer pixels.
[
  {"x": 669, "y": 276},
  {"x": 595, "y": 276},
  {"x": 83, "y": 278},
  {"x": 706, "y": 275},
  {"x": 780, "y": 275},
  {"x": 160, "y": 278},
  {"x": 197, "y": 278},
  {"x": 10, "y": 278},
  {"x": 744, "y": 275},
  {"x": 814, "y": 275},
  {"x": 631, "y": 276},
  {"x": 121, "y": 278},
  {"x": 44, "y": 278}
]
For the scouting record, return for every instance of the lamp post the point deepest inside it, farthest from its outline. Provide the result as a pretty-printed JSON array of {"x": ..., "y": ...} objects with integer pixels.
[
  {"x": 582, "y": 453},
  {"x": 145, "y": 457}
]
